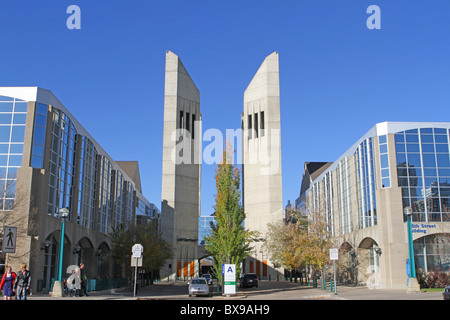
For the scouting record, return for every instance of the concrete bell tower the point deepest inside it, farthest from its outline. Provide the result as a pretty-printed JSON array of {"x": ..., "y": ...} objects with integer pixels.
[
  {"x": 261, "y": 145},
  {"x": 181, "y": 170}
]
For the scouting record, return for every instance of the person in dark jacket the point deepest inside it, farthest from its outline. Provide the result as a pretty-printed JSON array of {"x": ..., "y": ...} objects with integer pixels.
[
  {"x": 22, "y": 283},
  {"x": 83, "y": 280}
]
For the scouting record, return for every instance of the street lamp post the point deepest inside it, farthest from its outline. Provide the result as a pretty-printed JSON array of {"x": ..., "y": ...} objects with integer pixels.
[
  {"x": 58, "y": 285},
  {"x": 412, "y": 265}
]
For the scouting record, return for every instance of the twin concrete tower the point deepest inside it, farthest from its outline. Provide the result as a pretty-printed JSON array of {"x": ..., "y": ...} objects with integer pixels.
[{"x": 182, "y": 157}]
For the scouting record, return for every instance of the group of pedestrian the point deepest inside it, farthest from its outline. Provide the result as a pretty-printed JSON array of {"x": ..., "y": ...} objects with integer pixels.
[
  {"x": 75, "y": 285},
  {"x": 19, "y": 284},
  {"x": 16, "y": 284}
]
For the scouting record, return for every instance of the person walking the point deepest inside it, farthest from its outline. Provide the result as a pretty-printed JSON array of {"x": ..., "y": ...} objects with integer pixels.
[
  {"x": 23, "y": 282},
  {"x": 7, "y": 283},
  {"x": 83, "y": 280}
]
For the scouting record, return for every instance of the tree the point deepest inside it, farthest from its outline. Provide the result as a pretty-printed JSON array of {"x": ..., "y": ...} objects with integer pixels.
[
  {"x": 229, "y": 242},
  {"x": 300, "y": 241},
  {"x": 156, "y": 249}
]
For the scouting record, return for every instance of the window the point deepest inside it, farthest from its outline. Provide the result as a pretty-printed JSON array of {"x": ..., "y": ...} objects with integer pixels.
[
  {"x": 193, "y": 126},
  {"x": 366, "y": 183},
  {"x": 256, "y": 125},
  {"x": 262, "y": 126},
  {"x": 250, "y": 128},
  {"x": 87, "y": 182},
  {"x": 181, "y": 120},
  {"x": 384, "y": 162},
  {"x": 40, "y": 123},
  {"x": 61, "y": 162},
  {"x": 423, "y": 167},
  {"x": 105, "y": 194},
  {"x": 187, "y": 122},
  {"x": 12, "y": 132}
]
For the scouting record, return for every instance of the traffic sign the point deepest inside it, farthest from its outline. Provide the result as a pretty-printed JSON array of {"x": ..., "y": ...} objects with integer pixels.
[
  {"x": 137, "y": 250},
  {"x": 334, "y": 254},
  {"x": 9, "y": 239}
]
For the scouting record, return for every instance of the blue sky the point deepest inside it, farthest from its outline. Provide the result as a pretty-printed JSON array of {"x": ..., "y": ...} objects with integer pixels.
[{"x": 337, "y": 77}]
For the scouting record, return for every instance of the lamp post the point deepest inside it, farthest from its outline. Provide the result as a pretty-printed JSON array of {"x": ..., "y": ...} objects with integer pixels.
[
  {"x": 58, "y": 285},
  {"x": 408, "y": 212},
  {"x": 63, "y": 213}
]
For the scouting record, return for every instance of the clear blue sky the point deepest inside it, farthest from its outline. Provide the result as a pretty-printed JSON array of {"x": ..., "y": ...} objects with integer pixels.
[{"x": 337, "y": 77}]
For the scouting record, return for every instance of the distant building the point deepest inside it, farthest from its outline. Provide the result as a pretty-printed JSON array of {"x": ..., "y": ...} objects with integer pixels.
[
  {"x": 48, "y": 161},
  {"x": 204, "y": 227}
]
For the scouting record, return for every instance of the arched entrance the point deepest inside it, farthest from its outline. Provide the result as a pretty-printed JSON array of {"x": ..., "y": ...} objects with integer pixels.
[
  {"x": 84, "y": 253},
  {"x": 51, "y": 258},
  {"x": 369, "y": 263},
  {"x": 347, "y": 263},
  {"x": 103, "y": 255}
]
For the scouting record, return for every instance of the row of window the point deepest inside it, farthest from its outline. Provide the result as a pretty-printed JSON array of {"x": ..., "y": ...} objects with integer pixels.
[
  {"x": 366, "y": 184},
  {"x": 187, "y": 122},
  {"x": 12, "y": 133},
  {"x": 423, "y": 168},
  {"x": 115, "y": 194},
  {"x": 256, "y": 125}
]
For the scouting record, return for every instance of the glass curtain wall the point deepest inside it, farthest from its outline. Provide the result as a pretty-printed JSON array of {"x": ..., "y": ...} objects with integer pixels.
[
  {"x": 62, "y": 162},
  {"x": 105, "y": 194},
  {"x": 366, "y": 184},
  {"x": 87, "y": 184},
  {"x": 423, "y": 167},
  {"x": 13, "y": 113},
  {"x": 344, "y": 192}
]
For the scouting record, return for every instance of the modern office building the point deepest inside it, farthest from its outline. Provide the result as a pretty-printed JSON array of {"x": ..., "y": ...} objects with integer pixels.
[
  {"x": 181, "y": 170},
  {"x": 363, "y": 194},
  {"x": 261, "y": 154},
  {"x": 48, "y": 161}
]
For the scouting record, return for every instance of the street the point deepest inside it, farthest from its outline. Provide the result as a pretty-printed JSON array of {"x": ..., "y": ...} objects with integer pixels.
[{"x": 267, "y": 290}]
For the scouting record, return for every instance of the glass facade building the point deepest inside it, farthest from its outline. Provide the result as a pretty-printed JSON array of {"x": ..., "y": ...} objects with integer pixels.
[
  {"x": 362, "y": 196},
  {"x": 55, "y": 163},
  {"x": 12, "y": 130},
  {"x": 423, "y": 167}
]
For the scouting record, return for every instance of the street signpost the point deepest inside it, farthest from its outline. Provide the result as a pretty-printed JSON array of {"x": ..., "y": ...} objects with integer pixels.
[
  {"x": 334, "y": 255},
  {"x": 136, "y": 250}
]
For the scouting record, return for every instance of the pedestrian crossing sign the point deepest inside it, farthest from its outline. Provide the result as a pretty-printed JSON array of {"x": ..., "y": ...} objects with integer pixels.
[{"x": 9, "y": 240}]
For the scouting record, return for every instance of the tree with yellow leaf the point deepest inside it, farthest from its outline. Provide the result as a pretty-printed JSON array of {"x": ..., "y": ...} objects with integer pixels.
[
  {"x": 229, "y": 240},
  {"x": 300, "y": 241}
]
